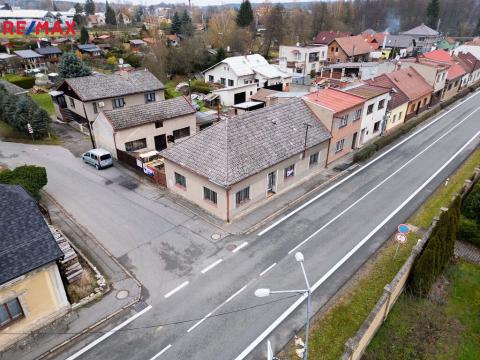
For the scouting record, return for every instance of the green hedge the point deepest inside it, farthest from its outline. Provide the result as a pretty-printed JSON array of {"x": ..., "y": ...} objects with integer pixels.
[
  {"x": 471, "y": 204},
  {"x": 200, "y": 86},
  {"x": 24, "y": 82},
  {"x": 469, "y": 231},
  {"x": 31, "y": 178}
]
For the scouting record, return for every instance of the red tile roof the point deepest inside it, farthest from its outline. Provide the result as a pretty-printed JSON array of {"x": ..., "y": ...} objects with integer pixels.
[
  {"x": 438, "y": 55},
  {"x": 326, "y": 37},
  {"x": 354, "y": 45},
  {"x": 335, "y": 100},
  {"x": 397, "y": 96},
  {"x": 367, "y": 91},
  {"x": 410, "y": 82},
  {"x": 468, "y": 61},
  {"x": 455, "y": 71}
]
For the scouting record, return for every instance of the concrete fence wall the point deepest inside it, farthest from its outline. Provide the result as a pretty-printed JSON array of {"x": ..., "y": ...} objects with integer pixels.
[{"x": 355, "y": 347}]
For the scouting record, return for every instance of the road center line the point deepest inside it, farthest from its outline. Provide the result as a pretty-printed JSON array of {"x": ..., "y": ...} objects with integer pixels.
[
  {"x": 231, "y": 297},
  {"x": 381, "y": 183},
  {"x": 162, "y": 351},
  {"x": 267, "y": 269},
  {"x": 179, "y": 287},
  {"x": 108, "y": 334},
  {"x": 211, "y": 266},
  {"x": 315, "y": 286},
  {"x": 241, "y": 246},
  {"x": 326, "y": 191}
]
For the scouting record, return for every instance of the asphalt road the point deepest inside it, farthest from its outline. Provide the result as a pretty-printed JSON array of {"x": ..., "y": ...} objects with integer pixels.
[{"x": 209, "y": 311}]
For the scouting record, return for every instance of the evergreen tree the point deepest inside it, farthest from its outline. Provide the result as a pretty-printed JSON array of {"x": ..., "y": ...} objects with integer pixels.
[
  {"x": 24, "y": 112},
  {"x": 110, "y": 17},
  {"x": 54, "y": 7},
  {"x": 245, "y": 14},
  {"x": 84, "y": 35},
  {"x": 39, "y": 123},
  {"x": 433, "y": 13},
  {"x": 220, "y": 55},
  {"x": 89, "y": 7},
  {"x": 70, "y": 66},
  {"x": 186, "y": 27},
  {"x": 176, "y": 24},
  {"x": 120, "y": 19},
  {"x": 471, "y": 205},
  {"x": 138, "y": 14},
  {"x": 78, "y": 17},
  {"x": 422, "y": 277}
]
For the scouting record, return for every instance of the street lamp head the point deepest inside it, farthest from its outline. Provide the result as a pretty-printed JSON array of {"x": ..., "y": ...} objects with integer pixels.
[
  {"x": 299, "y": 256},
  {"x": 262, "y": 293}
]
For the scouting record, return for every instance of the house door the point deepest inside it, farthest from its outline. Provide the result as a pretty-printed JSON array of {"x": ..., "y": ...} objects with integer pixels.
[
  {"x": 240, "y": 97},
  {"x": 160, "y": 142},
  {"x": 362, "y": 135},
  {"x": 272, "y": 183},
  {"x": 354, "y": 140}
]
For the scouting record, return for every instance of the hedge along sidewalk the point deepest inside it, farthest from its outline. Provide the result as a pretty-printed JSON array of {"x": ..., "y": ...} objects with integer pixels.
[{"x": 370, "y": 149}]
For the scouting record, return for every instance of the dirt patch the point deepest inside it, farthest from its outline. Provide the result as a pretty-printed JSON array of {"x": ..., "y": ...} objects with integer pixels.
[
  {"x": 84, "y": 286},
  {"x": 439, "y": 292}
]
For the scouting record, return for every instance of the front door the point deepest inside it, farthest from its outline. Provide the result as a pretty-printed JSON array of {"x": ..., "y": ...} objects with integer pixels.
[
  {"x": 354, "y": 141},
  {"x": 160, "y": 142},
  {"x": 272, "y": 183}
]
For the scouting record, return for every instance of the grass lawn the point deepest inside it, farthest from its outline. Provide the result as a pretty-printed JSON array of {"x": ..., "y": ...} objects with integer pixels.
[
  {"x": 44, "y": 101},
  {"x": 426, "y": 329},
  {"x": 7, "y": 133},
  {"x": 443, "y": 195}
]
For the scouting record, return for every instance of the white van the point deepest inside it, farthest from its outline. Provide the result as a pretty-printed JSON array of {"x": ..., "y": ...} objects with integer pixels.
[{"x": 100, "y": 158}]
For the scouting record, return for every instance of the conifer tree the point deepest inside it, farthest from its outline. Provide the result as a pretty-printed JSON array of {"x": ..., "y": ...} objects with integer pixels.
[{"x": 245, "y": 14}]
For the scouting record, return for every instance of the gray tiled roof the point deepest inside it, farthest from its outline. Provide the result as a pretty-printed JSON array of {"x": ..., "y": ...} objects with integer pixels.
[
  {"x": 237, "y": 148},
  {"x": 27, "y": 54},
  {"x": 12, "y": 88},
  {"x": 148, "y": 113},
  {"x": 398, "y": 41},
  {"x": 95, "y": 87},
  {"x": 50, "y": 50},
  {"x": 26, "y": 242}
]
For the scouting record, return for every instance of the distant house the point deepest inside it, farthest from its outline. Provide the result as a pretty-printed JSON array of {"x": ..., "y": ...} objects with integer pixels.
[
  {"x": 471, "y": 65},
  {"x": 81, "y": 99},
  {"x": 349, "y": 49},
  {"x": 235, "y": 164},
  {"x": 150, "y": 126},
  {"x": 447, "y": 44},
  {"x": 401, "y": 44},
  {"x": 341, "y": 113},
  {"x": 357, "y": 70},
  {"x": 373, "y": 122},
  {"x": 326, "y": 37},
  {"x": 31, "y": 289},
  {"x": 30, "y": 59},
  {"x": 52, "y": 53},
  {"x": 90, "y": 49},
  {"x": 302, "y": 59},
  {"x": 423, "y": 37},
  {"x": 8, "y": 62},
  {"x": 137, "y": 45}
]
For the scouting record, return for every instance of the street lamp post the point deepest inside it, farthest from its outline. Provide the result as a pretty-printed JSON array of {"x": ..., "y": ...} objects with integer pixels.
[{"x": 267, "y": 292}]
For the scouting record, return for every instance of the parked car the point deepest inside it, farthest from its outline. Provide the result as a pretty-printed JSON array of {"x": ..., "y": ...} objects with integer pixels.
[{"x": 100, "y": 158}]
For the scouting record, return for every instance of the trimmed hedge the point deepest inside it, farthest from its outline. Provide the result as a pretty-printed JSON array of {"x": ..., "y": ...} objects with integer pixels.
[
  {"x": 471, "y": 204},
  {"x": 365, "y": 153},
  {"x": 24, "y": 82},
  {"x": 31, "y": 178},
  {"x": 469, "y": 231}
]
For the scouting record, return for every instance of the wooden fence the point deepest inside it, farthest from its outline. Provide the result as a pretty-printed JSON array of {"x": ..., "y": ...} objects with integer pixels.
[{"x": 128, "y": 159}]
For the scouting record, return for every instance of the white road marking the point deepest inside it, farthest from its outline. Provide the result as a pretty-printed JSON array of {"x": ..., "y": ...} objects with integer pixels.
[
  {"x": 267, "y": 269},
  {"x": 211, "y": 266},
  {"x": 238, "y": 292},
  {"x": 162, "y": 351},
  {"x": 382, "y": 182},
  {"x": 201, "y": 321},
  {"x": 108, "y": 334},
  {"x": 315, "y": 286},
  {"x": 279, "y": 221},
  {"x": 179, "y": 287},
  {"x": 241, "y": 246}
]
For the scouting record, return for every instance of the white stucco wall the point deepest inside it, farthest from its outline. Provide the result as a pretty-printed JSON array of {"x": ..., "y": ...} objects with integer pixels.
[{"x": 368, "y": 120}]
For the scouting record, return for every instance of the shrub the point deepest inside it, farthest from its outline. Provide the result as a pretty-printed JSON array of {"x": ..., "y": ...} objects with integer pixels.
[
  {"x": 422, "y": 275},
  {"x": 471, "y": 204},
  {"x": 24, "y": 82},
  {"x": 31, "y": 178},
  {"x": 469, "y": 231},
  {"x": 365, "y": 153},
  {"x": 200, "y": 86}
]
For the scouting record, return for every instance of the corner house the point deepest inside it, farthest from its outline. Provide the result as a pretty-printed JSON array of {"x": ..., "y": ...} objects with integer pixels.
[{"x": 235, "y": 164}]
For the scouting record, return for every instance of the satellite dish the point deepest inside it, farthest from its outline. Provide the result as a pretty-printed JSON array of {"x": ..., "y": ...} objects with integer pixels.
[{"x": 120, "y": 61}]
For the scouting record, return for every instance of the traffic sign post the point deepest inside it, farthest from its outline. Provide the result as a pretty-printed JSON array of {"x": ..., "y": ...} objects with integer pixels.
[
  {"x": 400, "y": 238},
  {"x": 30, "y": 131}
]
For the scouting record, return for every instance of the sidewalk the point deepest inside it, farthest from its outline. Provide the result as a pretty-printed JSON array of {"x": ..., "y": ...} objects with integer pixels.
[{"x": 39, "y": 344}]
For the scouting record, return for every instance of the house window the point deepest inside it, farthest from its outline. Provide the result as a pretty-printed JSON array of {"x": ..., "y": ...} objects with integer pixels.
[
  {"x": 222, "y": 81},
  {"x": 180, "y": 133},
  {"x": 400, "y": 115},
  {"x": 230, "y": 82},
  {"x": 180, "y": 180},
  {"x": 312, "y": 57},
  {"x": 376, "y": 126},
  {"x": 118, "y": 103},
  {"x": 381, "y": 104},
  {"x": 332, "y": 48},
  {"x": 370, "y": 109},
  {"x": 336, "y": 49},
  {"x": 343, "y": 121},
  {"x": 313, "y": 160},
  {"x": 149, "y": 97},
  {"x": 158, "y": 124},
  {"x": 394, "y": 118},
  {"x": 424, "y": 101},
  {"x": 211, "y": 78},
  {"x": 10, "y": 311},
  {"x": 456, "y": 83},
  {"x": 242, "y": 196},
  {"x": 72, "y": 103},
  {"x": 245, "y": 81},
  {"x": 358, "y": 114},
  {"x": 210, "y": 195},
  {"x": 136, "y": 144},
  {"x": 339, "y": 145},
  {"x": 95, "y": 108},
  {"x": 289, "y": 171}
]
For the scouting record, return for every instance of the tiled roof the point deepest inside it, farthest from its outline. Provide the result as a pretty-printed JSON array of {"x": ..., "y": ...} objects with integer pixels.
[
  {"x": 96, "y": 87},
  {"x": 455, "y": 71},
  {"x": 421, "y": 30},
  {"x": 131, "y": 116},
  {"x": 441, "y": 56},
  {"x": 409, "y": 81},
  {"x": 27, "y": 54},
  {"x": 236, "y": 148},
  {"x": 335, "y": 100},
  {"x": 397, "y": 96},
  {"x": 326, "y": 37},
  {"x": 12, "y": 88},
  {"x": 437, "y": 55},
  {"x": 354, "y": 45},
  {"x": 137, "y": 42},
  {"x": 398, "y": 41},
  {"x": 262, "y": 94},
  {"x": 468, "y": 61},
  {"x": 51, "y": 50},
  {"x": 26, "y": 242},
  {"x": 367, "y": 91}
]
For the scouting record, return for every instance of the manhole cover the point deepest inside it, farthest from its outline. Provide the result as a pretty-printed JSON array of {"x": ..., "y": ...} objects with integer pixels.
[
  {"x": 216, "y": 236},
  {"x": 122, "y": 294},
  {"x": 231, "y": 247}
]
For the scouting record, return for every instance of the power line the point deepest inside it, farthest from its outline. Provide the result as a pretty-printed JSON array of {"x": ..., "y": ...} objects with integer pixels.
[{"x": 155, "y": 325}]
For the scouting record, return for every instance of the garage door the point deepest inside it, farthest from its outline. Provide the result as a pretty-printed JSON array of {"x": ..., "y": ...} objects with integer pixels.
[{"x": 239, "y": 98}]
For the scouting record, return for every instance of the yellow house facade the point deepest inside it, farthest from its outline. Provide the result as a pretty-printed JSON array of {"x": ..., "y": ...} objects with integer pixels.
[{"x": 396, "y": 116}]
